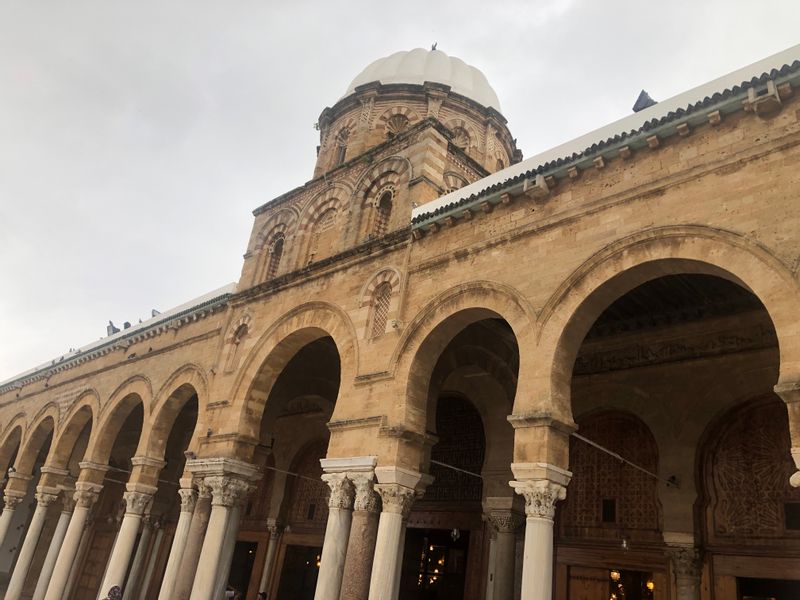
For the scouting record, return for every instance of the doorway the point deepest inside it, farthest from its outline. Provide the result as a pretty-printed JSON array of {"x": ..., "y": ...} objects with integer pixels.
[
  {"x": 767, "y": 589},
  {"x": 434, "y": 564},
  {"x": 299, "y": 573}
]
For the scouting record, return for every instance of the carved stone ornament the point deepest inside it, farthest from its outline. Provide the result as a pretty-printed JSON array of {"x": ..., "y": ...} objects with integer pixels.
[
  {"x": 274, "y": 530},
  {"x": 686, "y": 561},
  {"x": 85, "y": 498},
  {"x": 12, "y": 502},
  {"x": 366, "y": 498},
  {"x": 341, "y": 490},
  {"x": 45, "y": 499},
  {"x": 188, "y": 499},
  {"x": 137, "y": 502},
  {"x": 227, "y": 491},
  {"x": 540, "y": 496},
  {"x": 68, "y": 501},
  {"x": 505, "y": 521},
  {"x": 396, "y": 498}
]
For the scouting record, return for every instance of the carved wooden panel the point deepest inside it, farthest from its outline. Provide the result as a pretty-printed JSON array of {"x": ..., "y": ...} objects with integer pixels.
[
  {"x": 308, "y": 500},
  {"x": 747, "y": 471},
  {"x": 630, "y": 495},
  {"x": 461, "y": 444}
]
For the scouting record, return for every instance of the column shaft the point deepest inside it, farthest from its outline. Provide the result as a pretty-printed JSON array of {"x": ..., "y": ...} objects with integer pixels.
[
  {"x": 25, "y": 556},
  {"x": 142, "y": 549},
  {"x": 52, "y": 554},
  {"x": 228, "y": 546},
  {"x": 266, "y": 575},
  {"x": 505, "y": 547},
  {"x": 151, "y": 564},
  {"x": 69, "y": 549},
  {"x": 179, "y": 540},
  {"x": 194, "y": 545},
  {"x": 360, "y": 552},
  {"x": 80, "y": 557},
  {"x": 334, "y": 551},
  {"x": 387, "y": 551},
  {"x": 206, "y": 575},
  {"x": 136, "y": 503}
]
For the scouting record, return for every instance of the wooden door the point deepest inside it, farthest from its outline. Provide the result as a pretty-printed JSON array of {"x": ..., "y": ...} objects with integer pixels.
[{"x": 586, "y": 583}]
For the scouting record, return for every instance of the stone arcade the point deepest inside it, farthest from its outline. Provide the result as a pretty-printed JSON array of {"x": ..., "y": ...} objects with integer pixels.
[{"x": 611, "y": 327}]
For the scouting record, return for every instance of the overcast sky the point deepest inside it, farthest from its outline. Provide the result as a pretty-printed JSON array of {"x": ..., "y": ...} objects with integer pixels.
[{"x": 136, "y": 137}]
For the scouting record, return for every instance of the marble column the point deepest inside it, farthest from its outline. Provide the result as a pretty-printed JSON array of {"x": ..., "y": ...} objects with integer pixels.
[
  {"x": 137, "y": 565},
  {"x": 85, "y": 496},
  {"x": 396, "y": 500},
  {"x": 337, "y": 533},
  {"x": 228, "y": 546},
  {"x": 80, "y": 557},
  {"x": 540, "y": 496},
  {"x": 687, "y": 568},
  {"x": 12, "y": 500},
  {"x": 151, "y": 562},
  {"x": 188, "y": 501},
  {"x": 194, "y": 544},
  {"x": 505, "y": 525},
  {"x": 272, "y": 547},
  {"x": 363, "y": 533},
  {"x": 44, "y": 499},
  {"x": 226, "y": 493},
  {"x": 137, "y": 500},
  {"x": 55, "y": 545}
]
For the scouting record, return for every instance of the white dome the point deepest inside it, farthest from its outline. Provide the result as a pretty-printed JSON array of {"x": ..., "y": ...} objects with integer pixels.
[{"x": 418, "y": 66}]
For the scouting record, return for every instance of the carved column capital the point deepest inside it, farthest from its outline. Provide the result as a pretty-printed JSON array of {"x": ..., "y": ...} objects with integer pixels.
[
  {"x": 540, "y": 496},
  {"x": 12, "y": 501},
  {"x": 506, "y": 521},
  {"x": 137, "y": 502},
  {"x": 686, "y": 561},
  {"x": 396, "y": 498},
  {"x": 341, "y": 490},
  {"x": 68, "y": 501},
  {"x": 366, "y": 498},
  {"x": 45, "y": 499},
  {"x": 188, "y": 499},
  {"x": 227, "y": 491},
  {"x": 85, "y": 497}
]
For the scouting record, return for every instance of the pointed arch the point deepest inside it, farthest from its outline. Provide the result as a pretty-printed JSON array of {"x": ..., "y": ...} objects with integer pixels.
[
  {"x": 82, "y": 412},
  {"x": 41, "y": 427}
]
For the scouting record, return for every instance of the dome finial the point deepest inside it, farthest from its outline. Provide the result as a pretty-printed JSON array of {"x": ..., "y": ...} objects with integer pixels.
[{"x": 433, "y": 46}]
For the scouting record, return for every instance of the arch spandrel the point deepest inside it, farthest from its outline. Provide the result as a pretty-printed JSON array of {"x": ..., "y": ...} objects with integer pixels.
[
  {"x": 272, "y": 352},
  {"x": 437, "y": 323}
]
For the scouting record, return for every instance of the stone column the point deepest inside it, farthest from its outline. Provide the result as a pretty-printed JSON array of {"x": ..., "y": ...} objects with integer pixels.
[
  {"x": 188, "y": 501},
  {"x": 151, "y": 562},
  {"x": 142, "y": 551},
  {"x": 505, "y": 524},
  {"x": 337, "y": 532},
  {"x": 137, "y": 499},
  {"x": 361, "y": 546},
  {"x": 272, "y": 547},
  {"x": 85, "y": 496},
  {"x": 12, "y": 500},
  {"x": 55, "y": 545},
  {"x": 687, "y": 567},
  {"x": 540, "y": 496},
  {"x": 43, "y": 501},
  {"x": 194, "y": 544},
  {"x": 397, "y": 500},
  {"x": 229, "y": 544},
  {"x": 83, "y": 550},
  {"x": 226, "y": 492}
]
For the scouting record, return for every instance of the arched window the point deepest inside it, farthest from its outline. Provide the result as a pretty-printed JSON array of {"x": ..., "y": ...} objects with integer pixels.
[
  {"x": 323, "y": 236},
  {"x": 396, "y": 124},
  {"x": 380, "y": 309},
  {"x": 341, "y": 145},
  {"x": 275, "y": 254},
  {"x": 383, "y": 211}
]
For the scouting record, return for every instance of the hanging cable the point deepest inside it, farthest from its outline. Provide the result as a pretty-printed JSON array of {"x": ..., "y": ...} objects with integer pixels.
[{"x": 446, "y": 466}]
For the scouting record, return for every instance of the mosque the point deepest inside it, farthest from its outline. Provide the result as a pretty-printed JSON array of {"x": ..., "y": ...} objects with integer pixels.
[{"x": 448, "y": 372}]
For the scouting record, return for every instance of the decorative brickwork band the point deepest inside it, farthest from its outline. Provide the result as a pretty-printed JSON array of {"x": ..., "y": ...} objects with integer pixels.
[
  {"x": 341, "y": 490},
  {"x": 396, "y": 498},
  {"x": 188, "y": 499},
  {"x": 366, "y": 498},
  {"x": 540, "y": 496}
]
